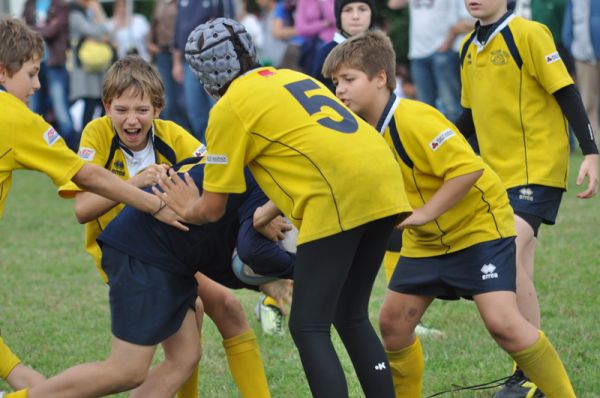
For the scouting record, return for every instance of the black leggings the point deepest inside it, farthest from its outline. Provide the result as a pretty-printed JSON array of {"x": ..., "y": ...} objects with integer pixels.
[{"x": 333, "y": 279}]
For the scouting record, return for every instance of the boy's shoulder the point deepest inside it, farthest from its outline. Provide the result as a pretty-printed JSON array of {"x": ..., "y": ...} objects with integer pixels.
[{"x": 168, "y": 128}]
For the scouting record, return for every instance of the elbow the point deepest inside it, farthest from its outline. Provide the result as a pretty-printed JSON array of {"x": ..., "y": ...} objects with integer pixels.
[
  {"x": 82, "y": 219},
  {"x": 81, "y": 214},
  {"x": 214, "y": 214}
]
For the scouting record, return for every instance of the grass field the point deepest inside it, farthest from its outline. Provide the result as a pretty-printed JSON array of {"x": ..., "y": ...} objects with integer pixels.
[{"x": 54, "y": 308}]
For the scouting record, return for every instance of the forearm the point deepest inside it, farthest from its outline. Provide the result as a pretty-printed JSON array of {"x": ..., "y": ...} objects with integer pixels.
[
  {"x": 89, "y": 206},
  {"x": 449, "y": 194},
  {"x": 95, "y": 179},
  {"x": 572, "y": 106},
  {"x": 264, "y": 214}
]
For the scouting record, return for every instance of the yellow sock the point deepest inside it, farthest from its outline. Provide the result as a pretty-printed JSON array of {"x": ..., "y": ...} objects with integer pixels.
[
  {"x": 541, "y": 364},
  {"x": 270, "y": 301},
  {"x": 246, "y": 366},
  {"x": 389, "y": 263},
  {"x": 17, "y": 394},
  {"x": 189, "y": 389},
  {"x": 8, "y": 360},
  {"x": 407, "y": 367}
]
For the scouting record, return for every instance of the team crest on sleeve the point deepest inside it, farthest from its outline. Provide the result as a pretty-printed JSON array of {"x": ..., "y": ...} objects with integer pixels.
[
  {"x": 440, "y": 139},
  {"x": 86, "y": 153},
  {"x": 51, "y": 136},
  {"x": 217, "y": 159},
  {"x": 550, "y": 58},
  {"x": 200, "y": 151}
]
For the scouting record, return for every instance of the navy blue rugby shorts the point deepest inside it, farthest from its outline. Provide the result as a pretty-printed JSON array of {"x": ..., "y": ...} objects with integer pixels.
[
  {"x": 536, "y": 200},
  {"x": 147, "y": 303},
  {"x": 482, "y": 268}
]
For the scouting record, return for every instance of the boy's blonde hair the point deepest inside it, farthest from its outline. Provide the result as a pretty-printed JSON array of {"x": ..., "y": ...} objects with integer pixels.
[
  {"x": 18, "y": 44},
  {"x": 132, "y": 72},
  {"x": 369, "y": 52}
]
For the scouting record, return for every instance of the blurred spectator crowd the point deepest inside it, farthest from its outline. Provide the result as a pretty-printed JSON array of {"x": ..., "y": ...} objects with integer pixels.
[{"x": 287, "y": 34}]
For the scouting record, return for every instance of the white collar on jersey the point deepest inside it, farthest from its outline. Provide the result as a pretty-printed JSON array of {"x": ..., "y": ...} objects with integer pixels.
[
  {"x": 339, "y": 38},
  {"x": 501, "y": 25},
  {"x": 388, "y": 113}
]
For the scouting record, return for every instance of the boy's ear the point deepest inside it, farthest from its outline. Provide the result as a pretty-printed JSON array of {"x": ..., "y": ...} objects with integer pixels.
[
  {"x": 106, "y": 107},
  {"x": 3, "y": 74},
  {"x": 157, "y": 112},
  {"x": 381, "y": 78}
]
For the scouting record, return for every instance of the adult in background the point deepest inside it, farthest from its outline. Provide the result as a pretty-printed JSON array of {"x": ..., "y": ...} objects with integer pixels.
[
  {"x": 315, "y": 22},
  {"x": 86, "y": 20},
  {"x": 51, "y": 19},
  {"x": 581, "y": 35},
  {"x": 436, "y": 30},
  {"x": 191, "y": 13},
  {"x": 128, "y": 31},
  {"x": 160, "y": 45}
]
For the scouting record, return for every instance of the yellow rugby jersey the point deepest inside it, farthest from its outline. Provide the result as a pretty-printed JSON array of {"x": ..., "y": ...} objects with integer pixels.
[
  {"x": 430, "y": 150},
  {"x": 100, "y": 145},
  {"x": 324, "y": 167},
  {"x": 508, "y": 83},
  {"x": 28, "y": 142}
]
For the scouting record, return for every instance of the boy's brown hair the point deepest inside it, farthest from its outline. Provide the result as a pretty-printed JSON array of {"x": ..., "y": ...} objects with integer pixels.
[
  {"x": 18, "y": 44},
  {"x": 369, "y": 52},
  {"x": 132, "y": 72}
]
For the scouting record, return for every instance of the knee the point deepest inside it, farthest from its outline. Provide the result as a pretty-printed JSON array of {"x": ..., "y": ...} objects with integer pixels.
[
  {"x": 503, "y": 329},
  {"x": 389, "y": 322},
  {"x": 228, "y": 315},
  {"x": 129, "y": 377}
]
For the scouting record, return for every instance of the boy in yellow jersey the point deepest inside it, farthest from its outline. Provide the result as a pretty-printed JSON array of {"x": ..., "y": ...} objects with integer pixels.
[
  {"x": 324, "y": 168},
  {"x": 136, "y": 146},
  {"x": 459, "y": 240},
  {"x": 28, "y": 142},
  {"x": 518, "y": 96}
]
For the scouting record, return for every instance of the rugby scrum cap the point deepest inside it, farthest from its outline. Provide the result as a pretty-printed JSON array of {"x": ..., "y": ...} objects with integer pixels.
[{"x": 218, "y": 51}]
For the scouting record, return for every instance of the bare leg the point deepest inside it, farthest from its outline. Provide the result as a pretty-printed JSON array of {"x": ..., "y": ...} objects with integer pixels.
[
  {"x": 505, "y": 323},
  {"x": 182, "y": 353},
  {"x": 222, "y": 307},
  {"x": 125, "y": 369},
  {"x": 399, "y": 317},
  {"x": 526, "y": 294}
]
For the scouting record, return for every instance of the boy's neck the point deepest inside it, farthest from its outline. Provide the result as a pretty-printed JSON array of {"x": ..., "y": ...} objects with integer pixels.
[
  {"x": 378, "y": 105},
  {"x": 492, "y": 19}
]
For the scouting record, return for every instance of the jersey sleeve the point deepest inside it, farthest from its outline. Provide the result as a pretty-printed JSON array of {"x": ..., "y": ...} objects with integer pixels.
[
  {"x": 41, "y": 148},
  {"x": 437, "y": 148},
  {"x": 228, "y": 142},
  {"x": 544, "y": 62},
  {"x": 93, "y": 148},
  {"x": 186, "y": 145},
  {"x": 464, "y": 81}
]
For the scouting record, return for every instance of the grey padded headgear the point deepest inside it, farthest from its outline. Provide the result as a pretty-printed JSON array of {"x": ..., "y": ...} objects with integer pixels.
[{"x": 214, "y": 49}]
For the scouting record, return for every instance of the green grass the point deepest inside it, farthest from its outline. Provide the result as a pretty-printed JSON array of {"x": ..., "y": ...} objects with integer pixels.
[{"x": 54, "y": 308}]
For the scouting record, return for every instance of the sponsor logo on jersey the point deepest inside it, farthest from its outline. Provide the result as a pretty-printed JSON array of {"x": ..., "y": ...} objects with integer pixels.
[
  {"x": 200, "y": 151},
  {"x": 380, "y": 366},
  {"x": 499, "y": 57},
  {"x": 51, "y": 136},
  {"x": 86, "y": 153},
  {"x": 526, "y": 194},
  {"x": 217, "y": 159},
  {"x": 488, "y": 272},
  {"x": 440, "y": 139},
  {"x": 550, "y": 58}
]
